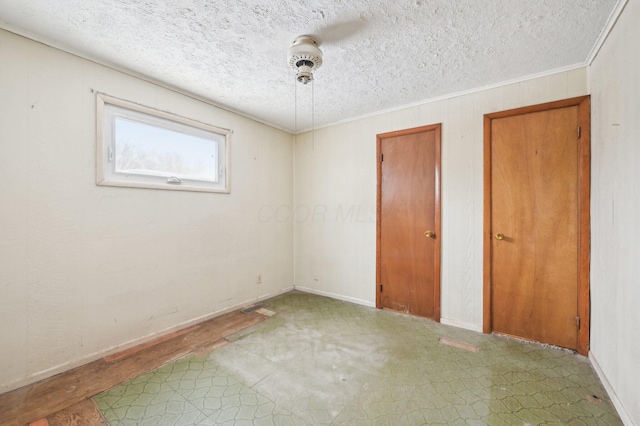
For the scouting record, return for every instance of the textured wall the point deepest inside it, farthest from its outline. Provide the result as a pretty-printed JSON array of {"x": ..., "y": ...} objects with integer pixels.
[
  {"x": 86, "y": 268},
  {"x": 615, "y": 210},
  {"x": 335, "y": 181}
]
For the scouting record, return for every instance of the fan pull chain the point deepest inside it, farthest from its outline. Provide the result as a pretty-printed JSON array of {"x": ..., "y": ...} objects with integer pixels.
[{"x": 313, "y": 118}]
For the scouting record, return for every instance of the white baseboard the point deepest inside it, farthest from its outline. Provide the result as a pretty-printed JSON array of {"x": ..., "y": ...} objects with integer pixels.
[
  {"x": 337, "y": 296},
  {"x": 61, "y": 368},
  {"x": 446, "y": 321},
  {"x": 461, "y": 324},
  {"x": 270, "y": 295},
  {"x": 624, "y": 416}
]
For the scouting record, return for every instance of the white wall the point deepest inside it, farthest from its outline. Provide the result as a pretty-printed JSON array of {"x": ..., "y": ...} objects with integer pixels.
[
  {"x": 615, "y": 212},
  {"x": 335, "y": 194},
  {"x": 84, "y": 268}
]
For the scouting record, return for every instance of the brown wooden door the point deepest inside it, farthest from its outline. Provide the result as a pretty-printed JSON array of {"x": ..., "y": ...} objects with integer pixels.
[
  {"x": 408, "y": 207},
  {"x": 535, "y": 225}
]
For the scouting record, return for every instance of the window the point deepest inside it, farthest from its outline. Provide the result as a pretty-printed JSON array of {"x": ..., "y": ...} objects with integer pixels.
[{"x": 142, "y": 147}]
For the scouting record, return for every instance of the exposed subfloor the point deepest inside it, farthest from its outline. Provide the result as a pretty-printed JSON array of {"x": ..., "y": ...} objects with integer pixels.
[{"x": 322, "y": 361}]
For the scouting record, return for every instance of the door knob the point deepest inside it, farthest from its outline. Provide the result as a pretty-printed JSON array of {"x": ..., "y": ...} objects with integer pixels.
[
  {"x": 499, "y": 237},
  {"x": 429, "y": 234}
]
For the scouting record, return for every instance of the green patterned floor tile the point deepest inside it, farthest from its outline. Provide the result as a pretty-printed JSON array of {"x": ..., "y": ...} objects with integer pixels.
[
  {"x": 163, "y": 408},
  {"x": 323, "y": 361}
]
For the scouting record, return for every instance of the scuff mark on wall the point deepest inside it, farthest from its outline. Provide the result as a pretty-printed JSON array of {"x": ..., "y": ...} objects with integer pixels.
[{"x": 164, "y": 312}]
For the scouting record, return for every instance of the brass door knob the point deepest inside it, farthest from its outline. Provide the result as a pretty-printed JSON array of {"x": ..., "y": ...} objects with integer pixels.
[
  {"x": 499, "y": 237},
  {"x": 429, "y": 234}
]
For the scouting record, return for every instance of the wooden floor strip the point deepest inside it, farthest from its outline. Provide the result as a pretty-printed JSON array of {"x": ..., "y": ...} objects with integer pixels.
[
  {"x": 85, "y": 413},
  {"x": 205, "y": 350},
  {"x": 41, "y": 399},
  {"x": 133, "y": 350},
  {"x": 460, "y": 345}
]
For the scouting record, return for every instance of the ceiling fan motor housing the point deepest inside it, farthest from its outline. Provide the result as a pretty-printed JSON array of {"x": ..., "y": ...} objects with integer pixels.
[{"x": 305, "y": 57}]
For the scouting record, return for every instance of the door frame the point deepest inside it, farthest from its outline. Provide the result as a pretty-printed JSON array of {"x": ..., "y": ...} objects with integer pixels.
[
  {"x": 437, "y": 221},
  {"x": 584, "y": 195}
]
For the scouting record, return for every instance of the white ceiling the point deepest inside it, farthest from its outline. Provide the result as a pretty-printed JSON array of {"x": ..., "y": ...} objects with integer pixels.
[{"x": 378, "y": 54}]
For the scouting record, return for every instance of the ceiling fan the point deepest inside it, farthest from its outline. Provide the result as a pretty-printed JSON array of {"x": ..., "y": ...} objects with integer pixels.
[
  {"x": 304, "y": 54},
  {"x": 305, "y": 57}
]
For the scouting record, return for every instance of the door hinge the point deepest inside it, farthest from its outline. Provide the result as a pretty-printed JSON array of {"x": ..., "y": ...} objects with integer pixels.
[
  {"x": 381, "y": 158},
  {"x": 578, "y": 322},
  {"x": 579, "y": 132},
  {"x": 380, "y": 287}
]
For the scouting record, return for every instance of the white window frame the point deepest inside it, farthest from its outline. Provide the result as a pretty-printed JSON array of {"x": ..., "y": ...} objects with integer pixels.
[{"x": 109, "y": 108}]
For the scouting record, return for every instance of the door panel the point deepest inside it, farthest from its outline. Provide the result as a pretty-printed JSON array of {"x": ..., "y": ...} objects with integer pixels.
[
  {"x": 537, "y": 223},
  {"x": 535, "y": 206},
  {"x": 408, "y": 207}
]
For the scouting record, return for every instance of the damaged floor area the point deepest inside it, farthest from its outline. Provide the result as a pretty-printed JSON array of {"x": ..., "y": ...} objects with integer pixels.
[{"x": 322, "y": 361}]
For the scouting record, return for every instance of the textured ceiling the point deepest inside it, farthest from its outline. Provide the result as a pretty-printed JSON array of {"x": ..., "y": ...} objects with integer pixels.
[{"x": 377, "y": 54}]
